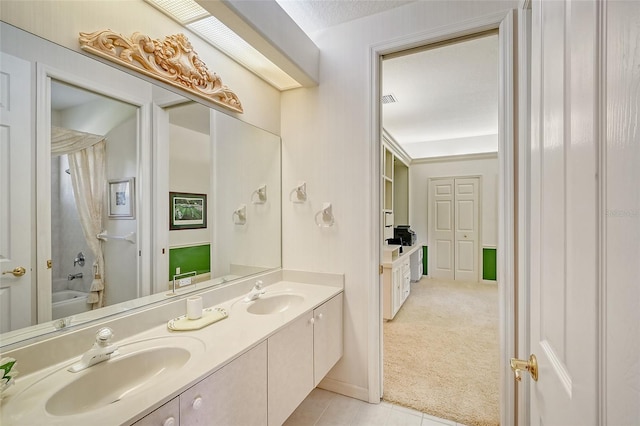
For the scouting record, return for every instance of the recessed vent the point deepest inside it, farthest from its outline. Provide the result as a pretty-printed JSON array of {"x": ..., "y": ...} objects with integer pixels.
[{"x": 389, "y": 99}]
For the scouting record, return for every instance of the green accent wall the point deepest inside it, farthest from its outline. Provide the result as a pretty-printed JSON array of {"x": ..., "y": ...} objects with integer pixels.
[
  {"x": 193, "y": 258},
  {"x": 425, "y": 260},
  {"x": 489, "y": 264}
]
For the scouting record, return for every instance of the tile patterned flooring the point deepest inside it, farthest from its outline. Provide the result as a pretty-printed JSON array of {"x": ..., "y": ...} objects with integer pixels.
[{"x": 324, "y": 408}]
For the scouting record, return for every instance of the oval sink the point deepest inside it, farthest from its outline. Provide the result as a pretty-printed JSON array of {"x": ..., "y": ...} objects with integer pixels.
[
  {"x": 274, "y": 304},
  {"x": 137, "y": 367}
]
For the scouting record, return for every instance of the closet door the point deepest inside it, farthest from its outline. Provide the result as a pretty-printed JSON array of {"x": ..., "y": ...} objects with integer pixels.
[
  {"x": 466, "y": 229},
  {"x": 442, "y": 227},
  {"x": 454, "y": 228}
]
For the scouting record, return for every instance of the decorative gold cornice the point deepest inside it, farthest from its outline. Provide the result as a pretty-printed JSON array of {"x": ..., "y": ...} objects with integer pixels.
[{"x": 172, "y": 61}]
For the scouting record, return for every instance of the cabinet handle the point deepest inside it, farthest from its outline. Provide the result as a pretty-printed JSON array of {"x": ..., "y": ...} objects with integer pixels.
[
  {"x": 320, "y": 316},
  {"x": 197, "y": 403},
  {"x": 171, "y": 421},
  {"x": 312, "y": 320}
]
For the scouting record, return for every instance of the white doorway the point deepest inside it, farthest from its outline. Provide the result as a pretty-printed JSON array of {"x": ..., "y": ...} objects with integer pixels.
[
  {"x": 505, "y": 23},
  {"x": 454, "y": 231}
]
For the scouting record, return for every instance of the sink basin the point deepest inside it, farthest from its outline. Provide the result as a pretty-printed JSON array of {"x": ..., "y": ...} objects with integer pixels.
[
  {"x": 273, "y": 304},
  {"x": 110, "y": 381},
  {"x": 136, "y": 368}
]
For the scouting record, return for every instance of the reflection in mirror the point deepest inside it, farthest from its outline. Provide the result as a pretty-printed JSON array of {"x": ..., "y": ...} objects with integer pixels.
[
  {"x": 212, "y": 153},
  {"x": 208, "y": 153},
  {"x": 94, "y": 141}
]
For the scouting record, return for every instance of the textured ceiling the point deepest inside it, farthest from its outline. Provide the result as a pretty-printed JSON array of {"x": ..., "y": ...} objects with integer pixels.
[
  {"x": 449, "y": 93},
  {"x": 315, "y": 15},
  {"x": 447, "y": 96}
]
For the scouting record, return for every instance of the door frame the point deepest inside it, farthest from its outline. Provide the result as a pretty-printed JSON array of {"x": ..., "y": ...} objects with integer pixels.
[
  {"x": 44, "y": 74},
  {"x": 512, "y": 132},
  {"x": 480, "y": 195}
]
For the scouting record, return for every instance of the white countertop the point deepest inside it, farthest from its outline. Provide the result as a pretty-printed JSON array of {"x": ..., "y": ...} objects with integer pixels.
[
  {"x": 220, "y": 343},
  {"x": 406, "y": 252}
]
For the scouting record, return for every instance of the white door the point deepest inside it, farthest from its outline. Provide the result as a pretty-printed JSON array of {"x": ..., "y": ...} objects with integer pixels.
[
  {"x": 441, "y": 226},
  {"x": 453, "y": 225},
  {"x": 15, "y": 194},
  {"x": 466, "y": 229},
  {"x": 564, "y": 218}
]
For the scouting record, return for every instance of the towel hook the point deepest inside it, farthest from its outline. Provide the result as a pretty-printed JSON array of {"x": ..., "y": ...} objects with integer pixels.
[
  {"x": 239, "y": 215},
  {"x": 259, "y": 196},
  {"x": 324, "y": 218},
  {"x": 300, "y": 192}
]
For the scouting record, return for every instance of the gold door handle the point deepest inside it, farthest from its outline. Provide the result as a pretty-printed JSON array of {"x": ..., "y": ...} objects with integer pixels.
[
  {"x": 17, "y": 272},
  {"x": 531, "y": 365}
]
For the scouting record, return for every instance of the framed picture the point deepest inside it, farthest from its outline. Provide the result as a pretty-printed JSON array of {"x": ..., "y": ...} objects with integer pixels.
[
  {"x": 187, "y": 211},
  {"x": 122, "y": 198}
]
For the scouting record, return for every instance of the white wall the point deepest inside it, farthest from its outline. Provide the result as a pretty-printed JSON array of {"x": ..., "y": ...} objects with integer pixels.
[
  {"x": 121, "y": 257},
  {"x": 327, "y": 143},
  {"x": 245, "y": 158},
  {"x": 190, "y": 171},
  {"x": 420, "y": 173}
]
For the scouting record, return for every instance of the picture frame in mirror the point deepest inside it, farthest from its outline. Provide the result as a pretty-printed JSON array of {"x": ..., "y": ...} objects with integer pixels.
[
  {"x": 121, "y": 195},
  {"x": 187, "y": 211}
]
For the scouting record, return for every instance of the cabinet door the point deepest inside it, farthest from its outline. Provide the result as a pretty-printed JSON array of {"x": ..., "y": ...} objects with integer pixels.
[
  {"x": 290, "y": 368},
  {"x": 388, "y": 288},
  {"x": 327, "y": 337},
  {"x": 234, "y": 395},
  {"x": 166, "y": 415},
  {"x": 398, "y": 284}
]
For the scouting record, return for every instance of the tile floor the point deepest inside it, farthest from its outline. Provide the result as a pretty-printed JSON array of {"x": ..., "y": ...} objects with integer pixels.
[{"x": 322, "y": 408}]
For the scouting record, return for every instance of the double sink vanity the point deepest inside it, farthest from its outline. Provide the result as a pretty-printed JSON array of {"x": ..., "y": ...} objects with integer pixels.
[{"x": 252, "y": 368}]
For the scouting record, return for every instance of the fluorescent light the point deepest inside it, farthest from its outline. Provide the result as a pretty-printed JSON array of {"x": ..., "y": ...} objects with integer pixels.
[
  {"x": 183, "y": 11},
  {"x": 220, "y": 36},
  {"x": 191, "y": 15}
]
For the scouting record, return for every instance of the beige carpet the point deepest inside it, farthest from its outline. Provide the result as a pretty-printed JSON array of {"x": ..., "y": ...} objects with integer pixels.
[{"x": 441, "y": 352}]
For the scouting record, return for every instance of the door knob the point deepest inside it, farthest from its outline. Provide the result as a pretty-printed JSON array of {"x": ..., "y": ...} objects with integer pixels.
[
  {"x": 531, "y": 365},
  {"x": 17, "y": 272}
]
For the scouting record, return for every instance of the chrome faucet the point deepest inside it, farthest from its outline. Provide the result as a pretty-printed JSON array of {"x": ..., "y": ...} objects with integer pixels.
[
  {"x": 101, "y": 350},
  {"x": 79, "y": 260},
  {"x": 72, "y": 277},
  {"x": 255, "y": 292}
]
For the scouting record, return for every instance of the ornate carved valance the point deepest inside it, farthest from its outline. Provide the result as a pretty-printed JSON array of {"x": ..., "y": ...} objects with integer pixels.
[{"x": 171, "y": 60}]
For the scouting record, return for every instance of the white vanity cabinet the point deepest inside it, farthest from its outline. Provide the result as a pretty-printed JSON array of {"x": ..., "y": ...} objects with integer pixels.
[
  {"x": 234, "y": 395},
  {"x": 300, "y": 355},
  {"x": 327, "y": 337},
  {"x": 166, "y": 415},
  {"x": 264, "y": 385},
  {"x": 290, "y": 368}
]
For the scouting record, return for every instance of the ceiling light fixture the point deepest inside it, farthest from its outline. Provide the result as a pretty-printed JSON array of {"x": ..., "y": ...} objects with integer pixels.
[{"x": 191, "y": 15}]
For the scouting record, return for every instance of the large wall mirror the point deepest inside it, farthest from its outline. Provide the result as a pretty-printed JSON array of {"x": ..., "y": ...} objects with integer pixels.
[{"x": 114, "y": 189}]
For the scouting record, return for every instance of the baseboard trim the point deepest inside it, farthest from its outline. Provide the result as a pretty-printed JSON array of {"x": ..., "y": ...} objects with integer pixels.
[{"x": 345, "y": 389}]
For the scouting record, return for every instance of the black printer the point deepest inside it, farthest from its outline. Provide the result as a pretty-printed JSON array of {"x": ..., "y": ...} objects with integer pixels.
[{"x": 404, "y": 234}]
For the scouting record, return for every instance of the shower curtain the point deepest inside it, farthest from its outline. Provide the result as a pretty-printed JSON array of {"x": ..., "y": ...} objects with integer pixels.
[{"x": 86, "y": 153}]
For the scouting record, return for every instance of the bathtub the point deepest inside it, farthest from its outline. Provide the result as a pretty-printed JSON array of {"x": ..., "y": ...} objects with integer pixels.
[{"x": 68, "y": 302}]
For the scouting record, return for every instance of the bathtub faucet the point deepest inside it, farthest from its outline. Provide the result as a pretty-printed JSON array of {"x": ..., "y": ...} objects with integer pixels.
[{"x": 72, "y": 277}]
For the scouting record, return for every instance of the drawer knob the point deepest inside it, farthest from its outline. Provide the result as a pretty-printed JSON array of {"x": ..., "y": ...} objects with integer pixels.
[
  {"x": 197, "y": 403},
  {"x": 170, "y": 421},
  {"x": 312, "y": 320},
  {"x": 320, "y": 316}
]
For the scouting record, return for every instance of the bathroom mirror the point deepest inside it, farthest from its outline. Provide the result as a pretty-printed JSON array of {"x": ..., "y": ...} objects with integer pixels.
[{"x": 159, "y": 142}]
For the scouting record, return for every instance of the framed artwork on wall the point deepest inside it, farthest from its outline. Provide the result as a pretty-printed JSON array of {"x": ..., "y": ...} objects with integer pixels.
[
  {"x": 187, "y": 211},
  {"x": 122, "y": 200}
]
